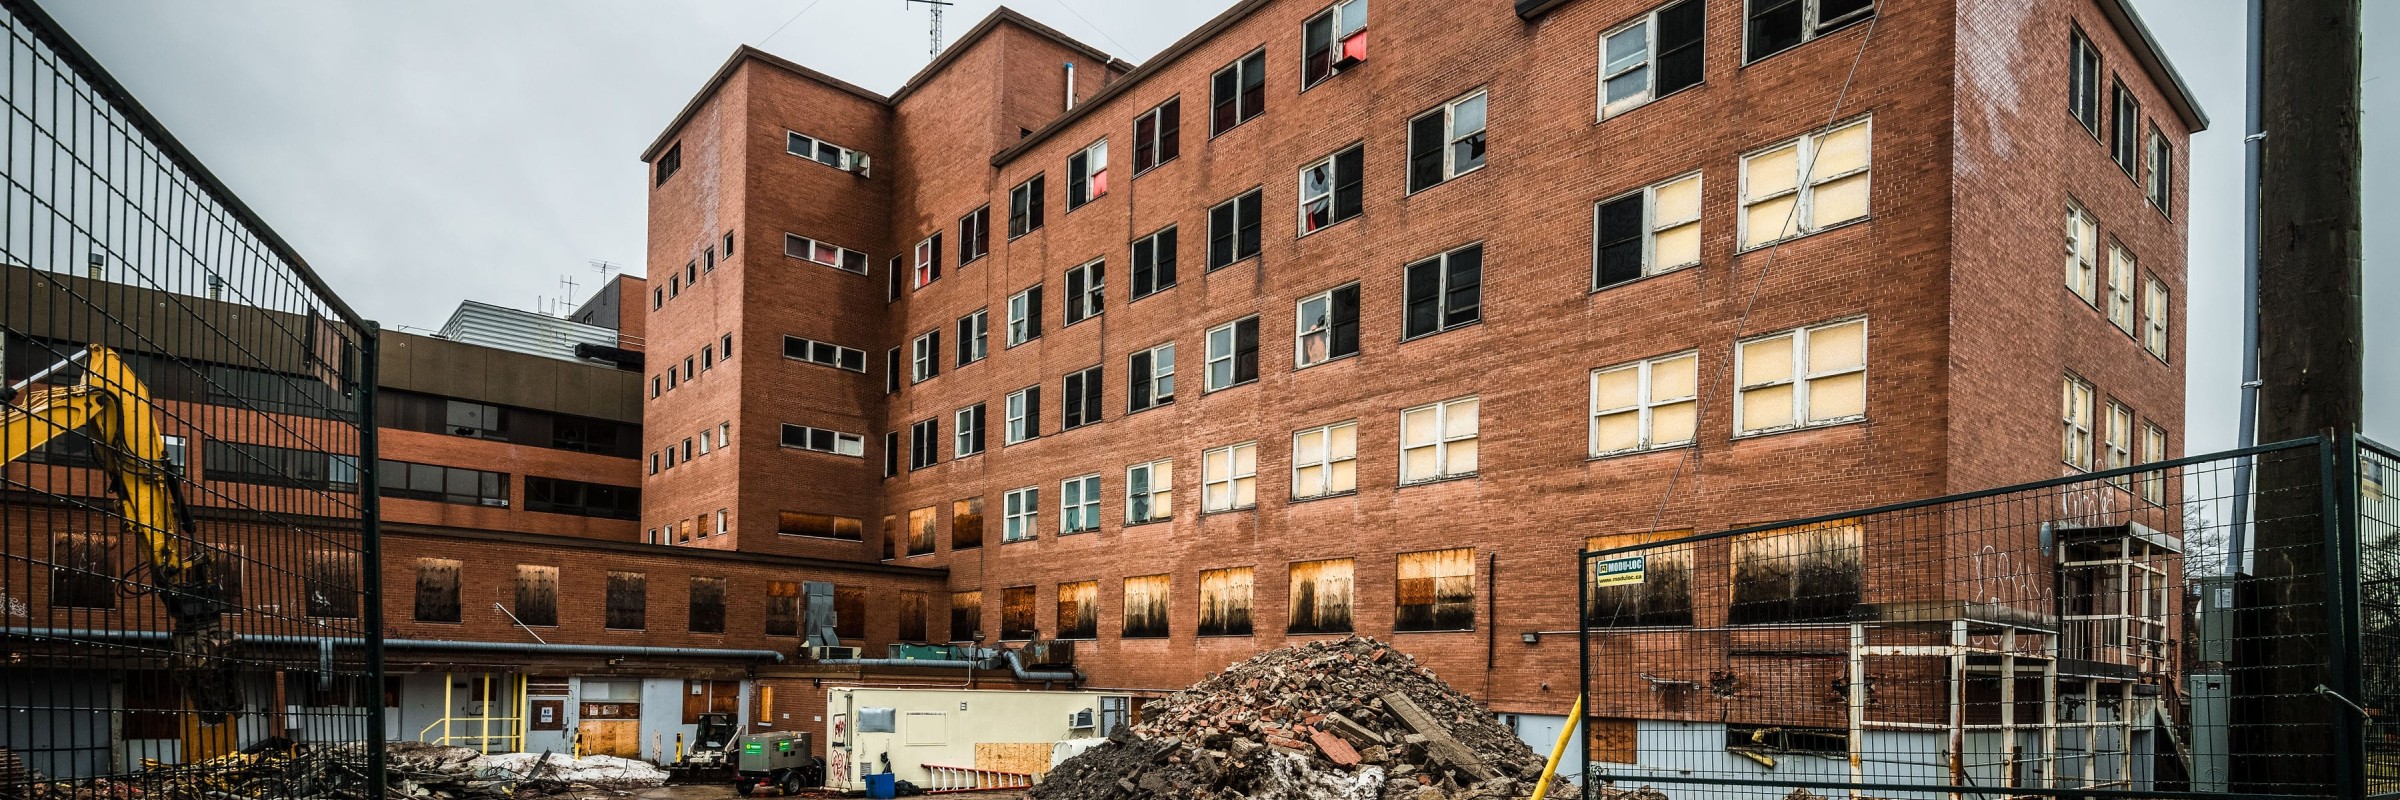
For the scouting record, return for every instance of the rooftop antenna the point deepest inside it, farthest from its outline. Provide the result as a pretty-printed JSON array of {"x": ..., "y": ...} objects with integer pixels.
[
  {"x": 935, "y": 9},
  {"x": 605, "y": 267},
  {"x": 567, "y": 283}
]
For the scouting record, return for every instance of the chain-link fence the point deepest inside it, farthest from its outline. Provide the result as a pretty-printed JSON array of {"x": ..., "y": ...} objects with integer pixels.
[
  {"x": 2077, "y": 637},
  {"x": 187, "y": 555}
]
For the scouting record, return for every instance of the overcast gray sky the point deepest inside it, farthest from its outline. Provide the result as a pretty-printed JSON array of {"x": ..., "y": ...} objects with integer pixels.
[{"x": 423, "y": 152}]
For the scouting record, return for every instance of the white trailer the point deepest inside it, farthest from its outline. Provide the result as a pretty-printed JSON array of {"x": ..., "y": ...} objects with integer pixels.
[{"x": 928, "y": 737}]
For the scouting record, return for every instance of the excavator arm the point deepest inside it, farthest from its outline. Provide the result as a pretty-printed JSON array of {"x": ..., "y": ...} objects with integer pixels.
[{"x": 112, "y": 407}]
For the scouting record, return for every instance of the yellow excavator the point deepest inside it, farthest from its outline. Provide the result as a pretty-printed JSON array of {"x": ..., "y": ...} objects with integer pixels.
[{"x": 112, "y": 407}]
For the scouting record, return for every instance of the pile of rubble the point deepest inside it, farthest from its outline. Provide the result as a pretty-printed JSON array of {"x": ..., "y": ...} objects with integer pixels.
[
  {"x": 1328, "y": 720},
  {"x": 434, "y": 772},
  {"x": 275, "y": 769}
]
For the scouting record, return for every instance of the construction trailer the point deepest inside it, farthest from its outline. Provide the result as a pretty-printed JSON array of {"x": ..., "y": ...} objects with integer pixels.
[{"x": 958, "y": 738}]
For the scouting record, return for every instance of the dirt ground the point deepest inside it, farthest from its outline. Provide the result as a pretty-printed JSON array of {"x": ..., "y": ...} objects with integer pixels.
[{"x": 723, "y": 792}]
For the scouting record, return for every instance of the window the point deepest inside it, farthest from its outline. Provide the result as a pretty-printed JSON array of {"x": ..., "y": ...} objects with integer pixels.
[
  {"x": 807, "y": 249},
  {"x": 825, "y": 354},
  {"x": 1024, "y": 415},
  {"x": 1150, "y": 492},
  {"x": 823, "y": 152},
  {"x": 728, "y": 245},
  {"x": 1079, "y": 610},
  {"x": 2161, "y": 185},
  {"x": 2154, "y": 450},
  {"x": 1087, "y": 175},
  {"x": 724, "y": 435},
  {"x": 1083, "y": 399},
  {"x": 967, "y": 438},
  {"x": 925, "y": 357},
  {"x": 706, "y": 612},
  {"x": 1025, "y": 207},
  {"x": 658, "y": 297},
  {"x": 1233, "y": 230},
  {"x": 1150, "y": 378},
  {"x": 823, "y": 441},
  {"x": 1157, "y": 135},
  {"x": 1146, "y": 601},
  {"x": 1025, "y": 316},
  {"x": 1655, "y": 55},
  {"x": 921, "y": 529},
  {"x": 1446, "y": 142},
  {"x": 1777, "y": 204},
  {"x": 1436, "y": 591},
  {"x": 1017, "y": 614},
  {"x": 1444, "y": 292},
  {"x": 1327, "y": 327},
  {"x": 966, "y": 523},
  {"x": 267, "y": 465},
  {"x": 2124, "y": 132},
  {"x": 2083, "y": 89},
  {"x": 437, "y": 590},
  {"x": 1225, "y": 601},
  {"x": 1333, "y": 40},
  {"x": 1779, "y": 25},
  {"x": 1437, "y": 441},
  {"x": 1229, "y": 478},
  {"x": 849, "y": 612},
  {"x": 1325, "y": 461},
  {"x": 892, "y": 275},
  {"x": 1079, "y": 504},
  {"x": 1645, "y": 232},
  {"x": 821, "y": 526},
  {"x": 1645, "y": 405},
  {"x": 725, "y": 343},
  {"x": 974, "y": 336},
  {"x": 2119, "y": 441},
  {"x": 1801, "y": 378},
  {"x": 562, "y": 496},
  {"x": 783, "y": 608},
  {"x": 537, "y": 595},
  {"x": 2083, "y": 249},
  {"x": 703, "y": 441},
  {"x": 924, "y": 444},
  {"x": 724, "y": 517},
  {"x": 627, "y": 600},
  {"x": 2120, "y": 287},
  {"x": 669, "y": 162},
  {"x": 2154, "y": 318},
  {"x": 1154, "y": 263},
  {"x": 1019, "y": 509},
  {"x": 1803, "y": 573},
  {"x": 966, "y": 616},
  {"x": 708, "y": 358},
  {"x": 928, "y": 261},
  {"x": 1662, "y": 598},
  {"x": 1320, "y": 597},
  {"x": 2075, "y": 417},
  {"x": 1237, "y": 93},
  {"x": 891, "y": 370},
  {"x": 331, "y": 583},
  {"x": 478, "y": 420},
  {"x": 913, "y": 608},
  {"x": 1233, "y": 354},
  {"x": 974, "y": 235},
  {"x": 403, "y": 480},
  {"x": 1084, "y": 286},
  {"x": 1333, "y": 190}
]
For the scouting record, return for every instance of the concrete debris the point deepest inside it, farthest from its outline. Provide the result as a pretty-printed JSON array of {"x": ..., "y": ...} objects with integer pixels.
[
  {"x": 277, "y": 768},
  {"x": 1351, "y": 719}
]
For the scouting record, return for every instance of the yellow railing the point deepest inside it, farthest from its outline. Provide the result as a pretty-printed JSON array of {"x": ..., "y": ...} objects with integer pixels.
[{"x": 480, "y": 726}]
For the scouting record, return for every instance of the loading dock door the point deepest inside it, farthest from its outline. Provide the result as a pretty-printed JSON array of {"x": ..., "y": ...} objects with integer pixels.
[{"x": 609, "y": 718}]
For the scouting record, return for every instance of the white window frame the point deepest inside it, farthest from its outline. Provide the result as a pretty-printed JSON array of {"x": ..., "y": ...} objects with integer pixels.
[
  {"x": 2160, "y": 184},
  {"x": 1325, "y": 462},
  {"x": 1160, "y": 498},
  {"x": 704, "y": 441},
  {"x": 1095, "y": 167},
  {"x": 844, "y": 444},
  {"x": 1018, "y": 426},
  {"x": 2121, "y": 268},
  {"x": 843, "y": 158},
  {"x": 1021, "y": 509},
  {"x": 2116, "y": 444},
  {"x": 811, "y": 346},
  {"x": 2154, "y": 450},
  {"x": 963, "y": 433},
  {"x": 1158, "y": 119},
  {"x": 927, "y": 255},
  {"x": 724, "y": 434},
  {"x": 1451, "y": 136},
  {"x": 1233, "y": 346},
  {"x": 1810, "y": 27},
  {"x": 1804, "y": 158},
  {"x": 1020, "y": 316},
  {"x": 1333, "y": 180},
  {"x": 810, "y": 249},
  {"x": 1648, "y": 22},
  {"x": 1222, "y": 478},
  {"x": 1652, "y": 226},
  {"x": 2075, "y": 421},
  {"x": 1086, "y": 509},
  {"x": 1643, "y": 404},
  {"x": 722, "y": 527},
  {"x": 979, "y": 343},
  {"x": 923, "y": 353},
  {"x": 1444, "y": 439},
  {"x": 1093, "y": 301},
  {"x": 2155, "y": 310},
  {"x": 1162, "y": 380},
  {"x": 1301, "y": 329},
  {"x": 1803, "y": 377},
  {"x": 2083, "y": 254},
  {"x": 1338, "y": 33}
]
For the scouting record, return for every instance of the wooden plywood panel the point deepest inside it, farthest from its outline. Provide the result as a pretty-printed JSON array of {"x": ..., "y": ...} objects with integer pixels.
[
  {"x": 1613, "y": 740},
  {"x": 1079, "y": 610},
  {"x": 1225, "y": 602},
  {"x": 1033, "y": 757},
  {"x": 620, "y": 738},
  {"x": 1017, "y": 613},
  {"x": 966, "y": 616},
  {"x": 1146, "y": 600},
  {"x": 914, "y": 606},
  {"x": 1320, "y": 596}
]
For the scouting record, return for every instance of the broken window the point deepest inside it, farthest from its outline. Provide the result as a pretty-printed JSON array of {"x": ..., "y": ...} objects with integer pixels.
[
  {"x": 967, "y": 428},
  {"x": 1646, "y": 404},
  {"x": 966, "y": 523},
  {"x": 1150, "y": 378},
  {"x": 1087, "y": 174},
  {"x": 920, "y": 530},
  {"x": 2083, "y": 248},
  {"x": 1779, "y": 25},
  {"x": 1639, "y": 588},
  {"x": 1225, "y": 601},
  {"x": 1146, "y": 601},
  {"x": 1645, "y": 232},
  {"x": 707, "y": 610},
  {"x": 783, "y": 608},
  {"x": 1079, "y": 505},
  {"x": 928, "y": 260},
  {"x": 1020, "y": 508},
  {"x": 2161, "y": 185},
  {"x": 437, "y": 590},
  {"x": 1446, "y": 142},
  {"x": 925, "y": 356},
  {"x": 1017, "y": 614},
  {"x": 807, "y": 249},
  {"x": 537, "y": 595},
  {"x": 974, "y": 235},
  {"x": 83, "y": 571},
  {"x": 1327, "y": 327},
  {"x": 1438, "y": 441},
  {"x": 2124, "y": 132},
  {"x": 1778, "y": 204},
  {"x": 1233, "y": 230},
  {"x": 822, "y": 526},
  {"x": 332, "y": 584},
  {"x": 1025, "y": 207},
  {"x": 1154, "y": 263},
  {"x": 1024, "y": 415},
  {"x": 1237, "y": 93},
  {"x": 1807, "y": 573},
  {"x": 1325, "y": 460},
  {"x": 1084, "y": 291},
  {"x": 1083, "y": 399},
  {"x": 1025, "y": 316},
  {"x": 1149, "y": 492},
  {"x": 1079, "y": 610},
  {"x": 924, "y": 443},
  {"x": 628, "y": 601},
  {"x": 1655, "y": 55},
  {"x": 1801, "y": 378},
  {"x": 849, "y": 612},
  {"x": 1233, "y": 354},
  {"x": 914, "y": 605},
  {"x": 1781, "y": 739},
  {"x": 974, "y": 337},
  {"x": 1333, "y": 40},
  {"x": 1320, "y": 601},
  {"x": 2121, "y": 268},
  {"x": 822, "y": 353},
  {"x": 1229, "y": 477},
  {"x": 1333, "y": 190},
  {"x": 1436, "y": 591},
  {"x": 821, "y": 440},
  {"x": 966, "y": 616},
  {"x": 1157, "y": 135},
  {"x": 2075, "y": 417},
  {"x": 2154, "y": 318},
  {"x": 1444, "y": 292}
]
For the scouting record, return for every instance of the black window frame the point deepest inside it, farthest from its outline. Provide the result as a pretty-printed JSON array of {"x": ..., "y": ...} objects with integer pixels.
[
  {"x": 399, "y": 479},
  {"x": 1446, "y": 318},
  {"x": 1241, "y": 220}
]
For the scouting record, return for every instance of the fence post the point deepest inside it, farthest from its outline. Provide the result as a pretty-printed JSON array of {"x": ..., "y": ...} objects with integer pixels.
[
  {"x": 2342, "y": 613},
  {"x": 370, "y": 544},
  {"x": 1583, "y": 668}
]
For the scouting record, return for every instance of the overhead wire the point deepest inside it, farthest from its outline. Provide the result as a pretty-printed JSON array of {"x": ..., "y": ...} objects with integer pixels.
[{"x": 788, "y": 23}]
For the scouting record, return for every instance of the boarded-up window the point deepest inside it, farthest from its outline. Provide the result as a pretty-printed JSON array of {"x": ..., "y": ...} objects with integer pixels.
[
  {"x": 229, "y": 566},
  {"x": 704, "y": 697},
  {"x": 332, "y": 584},
  {"x": 708, "y": 605},
  {"x": 920, "y": 530},
  {"x": 783, "y": 608},
  {"x": 1017, "y": 614},
  {"x": 966, "y": 524},
  {"x": 1320, "y": 596},
  {"x": 1079, "y": 610},
  {"x": 628, "y": 600},
  {"x": 891, "y": 537},
  {"x": 83, "y": 571},
  {"x": 1637, "y": 588},
  {"x": 1436, "y": 591},
  {"x": 1799, "y": 574},
  {"x": 914, "y": 605},
  {"x": 823, "y": 526},
  {"x": 1225, "y": 602},
  {"x": 437, "y": 590},
  {"x": 1613, "y": 740},
  {"x": 537, "y": 594},
  {"x": 849, "y": 612},
  {"x": 1146, "y": 607},
  {"x": 966, "y": 616}
]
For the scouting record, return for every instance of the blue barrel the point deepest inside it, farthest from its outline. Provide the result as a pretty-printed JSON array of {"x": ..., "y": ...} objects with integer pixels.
[{"x": 882, "y": 787}]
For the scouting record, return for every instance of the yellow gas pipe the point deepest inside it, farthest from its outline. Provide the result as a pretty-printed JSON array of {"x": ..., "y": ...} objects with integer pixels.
[{"x": 1565, "y": 735}]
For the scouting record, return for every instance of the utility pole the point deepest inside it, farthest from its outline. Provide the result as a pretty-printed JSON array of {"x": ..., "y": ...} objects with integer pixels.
[{"x": 2289, "y": 735}]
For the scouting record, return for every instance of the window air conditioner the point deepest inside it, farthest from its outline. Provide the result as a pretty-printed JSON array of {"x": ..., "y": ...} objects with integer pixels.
[
  {"x": 858, "y": 164},
  {"x": 1353, "y": 52}
]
